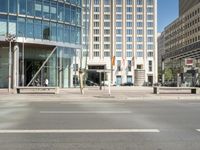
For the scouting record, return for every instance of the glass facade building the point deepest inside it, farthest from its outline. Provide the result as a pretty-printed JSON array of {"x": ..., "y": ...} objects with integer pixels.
[{"x": 40, "y": 26}]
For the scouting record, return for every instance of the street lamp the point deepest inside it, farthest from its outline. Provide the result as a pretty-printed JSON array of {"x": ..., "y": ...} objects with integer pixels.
[{"x": 10, "y": 38}]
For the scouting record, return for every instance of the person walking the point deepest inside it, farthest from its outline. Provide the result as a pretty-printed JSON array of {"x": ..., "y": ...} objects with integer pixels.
[{"x": 46, "y": 82}]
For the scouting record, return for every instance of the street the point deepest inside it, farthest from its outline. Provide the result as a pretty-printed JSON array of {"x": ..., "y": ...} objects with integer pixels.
[{"x": 100, "y": 125}]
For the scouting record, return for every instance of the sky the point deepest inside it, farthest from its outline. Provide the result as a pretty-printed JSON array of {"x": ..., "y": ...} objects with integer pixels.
[{"x": 167, "y": 12}]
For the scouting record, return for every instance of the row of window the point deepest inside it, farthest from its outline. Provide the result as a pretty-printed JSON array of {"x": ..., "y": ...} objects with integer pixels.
[
  {"x": 129, "y": 54},
  {"x": 45, "y": 9},
  {"x": 128, "y": 2},
  {"x": 39, "y": 29}
]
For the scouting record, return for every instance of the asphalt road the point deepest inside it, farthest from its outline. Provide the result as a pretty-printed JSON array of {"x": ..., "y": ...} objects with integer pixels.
[{"x": 145, "y": 125}]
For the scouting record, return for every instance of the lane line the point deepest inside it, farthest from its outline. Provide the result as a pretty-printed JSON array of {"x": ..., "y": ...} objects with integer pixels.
[
  {"x": 84, "y": 131},
  {"x": 85, "y": 112},
  {"x": 198, "y": 130}
]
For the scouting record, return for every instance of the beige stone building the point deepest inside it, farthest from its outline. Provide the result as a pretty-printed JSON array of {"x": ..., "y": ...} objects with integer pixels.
[
  {"x": 123, "y": 39},
  {"x": 182, "y": 42}
]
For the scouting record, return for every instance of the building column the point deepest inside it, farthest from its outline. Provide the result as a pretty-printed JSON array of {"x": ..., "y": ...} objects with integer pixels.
[{"x": 15, "y": 66}]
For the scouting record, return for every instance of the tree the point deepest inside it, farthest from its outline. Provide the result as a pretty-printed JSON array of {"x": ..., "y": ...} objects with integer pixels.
[{"x": 168, "y": 74}]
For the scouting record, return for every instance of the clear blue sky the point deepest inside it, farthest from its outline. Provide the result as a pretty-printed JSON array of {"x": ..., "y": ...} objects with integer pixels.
[{"x": 167, "y": 12}]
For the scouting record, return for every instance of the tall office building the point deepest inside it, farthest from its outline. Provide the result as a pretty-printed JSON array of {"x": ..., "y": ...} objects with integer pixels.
[
  {"x": 44, "y": 36},
  {"x": 182, "y": 44},
  {"x": 123, "y": 37}
]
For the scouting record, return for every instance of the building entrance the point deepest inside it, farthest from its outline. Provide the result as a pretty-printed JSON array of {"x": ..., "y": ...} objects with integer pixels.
[
  {"x": 31, "y": 68},
  {"x": 94, "y": 75}
]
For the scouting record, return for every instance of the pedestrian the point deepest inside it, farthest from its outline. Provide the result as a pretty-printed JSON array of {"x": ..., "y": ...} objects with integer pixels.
[{"x": 46, "y": 82}]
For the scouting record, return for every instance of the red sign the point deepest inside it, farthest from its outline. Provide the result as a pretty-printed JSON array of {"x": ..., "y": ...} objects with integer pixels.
[{"x": 189, "y": 62}]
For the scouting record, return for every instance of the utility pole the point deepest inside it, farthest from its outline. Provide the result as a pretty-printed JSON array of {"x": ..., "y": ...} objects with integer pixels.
[{"x": 10, "y": 38}]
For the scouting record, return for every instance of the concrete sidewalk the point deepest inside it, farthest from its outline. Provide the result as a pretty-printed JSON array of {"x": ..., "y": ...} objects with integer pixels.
[{"x": 94, "y": 94}]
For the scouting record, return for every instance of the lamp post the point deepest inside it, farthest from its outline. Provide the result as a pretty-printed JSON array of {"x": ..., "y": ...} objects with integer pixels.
[{"x": 10, "y": 38}]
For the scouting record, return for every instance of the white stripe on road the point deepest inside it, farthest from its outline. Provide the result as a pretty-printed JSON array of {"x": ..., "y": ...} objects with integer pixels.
[
  {"x": 84, "y": 131},
  {"x": 198, "y": 130},
  {"x": 85, "y": 112}
]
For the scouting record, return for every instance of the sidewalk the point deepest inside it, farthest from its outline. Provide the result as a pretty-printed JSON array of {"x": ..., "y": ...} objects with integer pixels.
[{"x": 94, "y": 94}]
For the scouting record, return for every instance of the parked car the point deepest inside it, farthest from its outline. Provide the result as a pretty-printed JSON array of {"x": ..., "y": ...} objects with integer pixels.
[
  {"x": 127, "y": 84},
  {"x": 91, "y": 83}
]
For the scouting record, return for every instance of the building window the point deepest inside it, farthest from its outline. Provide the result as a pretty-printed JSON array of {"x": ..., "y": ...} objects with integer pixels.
[
  {"x": 149, "y": 24},
  {"x": 129, "y": 46},
  {"x": 53, "y": 12},
  {"x": 118, "y": 31},
  {"x": 3, "y": 25},
  {"x": 21, "y": 28},
  {"x": 29, "y": 28},
  {"x": 106, "y": 9},
  {"x": 60, "y": 32},
  {"x": 129, "y": 54},
  {"x": 75, "y": 67},
  {"x": 128, "y": 39},
  {"x": 139, "y": 24},
  {"x": 139, "y": 17},
  {"x": 139, "y": 67},
  {"x": 139, "y": 32},
  {"x": 129, "y": 17},
  {"x": 96, "y": 2},
  {"x": 118, "y": 24},
  {"x": 118, "y": 16},
  {"x": 106, "y": 24},
  {"x": 46, "y": 30},
  {"x": 118, "y": 39},
  {"x": 37, "y": 29},
  {"x": 118, "y": 2},
  {"x": 149, "y": 10},
  {"x": 129, "y": 32},
  {"x": 118, "y": 9},
  {"x": 139, "y": 53},
  {"x": 96, "y": 17},
  {"x": 4, "y": 6},
  {"x": 46, "y": 10},
  {"x": 139, "y": 39},
  {"x": 129, "y": 2},
  {"x": 149, "y": 2},
  {"x": 106, "y": 2},
  {"x": 96, "y": 46},
  {"x": 96, "y": 54},
  {"x": 38, "y": 9},
  {"x": 129, "y": 24},
  {"x": 129, "y": 79},
  {"x": 22, "y": 6},
  {"x": 118, "y": 54},
  {"x": 150, "y": 66},
  {"x": 13, "y": 6},
  {"x": 106, "y": 54},
  {"x": 150, "y": 54},
  {"x": 139, "y": 46},
  {"x": 118, "y": 65},
  {"x": 119, "y": 46},
  {"x": 139, "y": 2},
  {"x": 106, "y": 46},
  {"x": 129, "y": 65},
  {"x": 139, "y": 9},
  {"x": 128, "y": 9}
]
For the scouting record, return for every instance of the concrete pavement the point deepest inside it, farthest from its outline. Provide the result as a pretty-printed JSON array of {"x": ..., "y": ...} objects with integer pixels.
[{"x": 117, "y": 94}]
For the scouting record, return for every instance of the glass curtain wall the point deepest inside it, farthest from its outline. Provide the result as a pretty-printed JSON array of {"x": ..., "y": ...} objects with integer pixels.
[
  {"x": 57, "y": 69},
  {"x": 3, "y": 67}
]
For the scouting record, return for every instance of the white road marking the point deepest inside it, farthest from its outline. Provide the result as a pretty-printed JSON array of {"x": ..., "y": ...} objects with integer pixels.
[
  {"x": 84, "y": 131},
  {"x": 198, "y": 130},
  {"x": 85, "y": 112}
]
